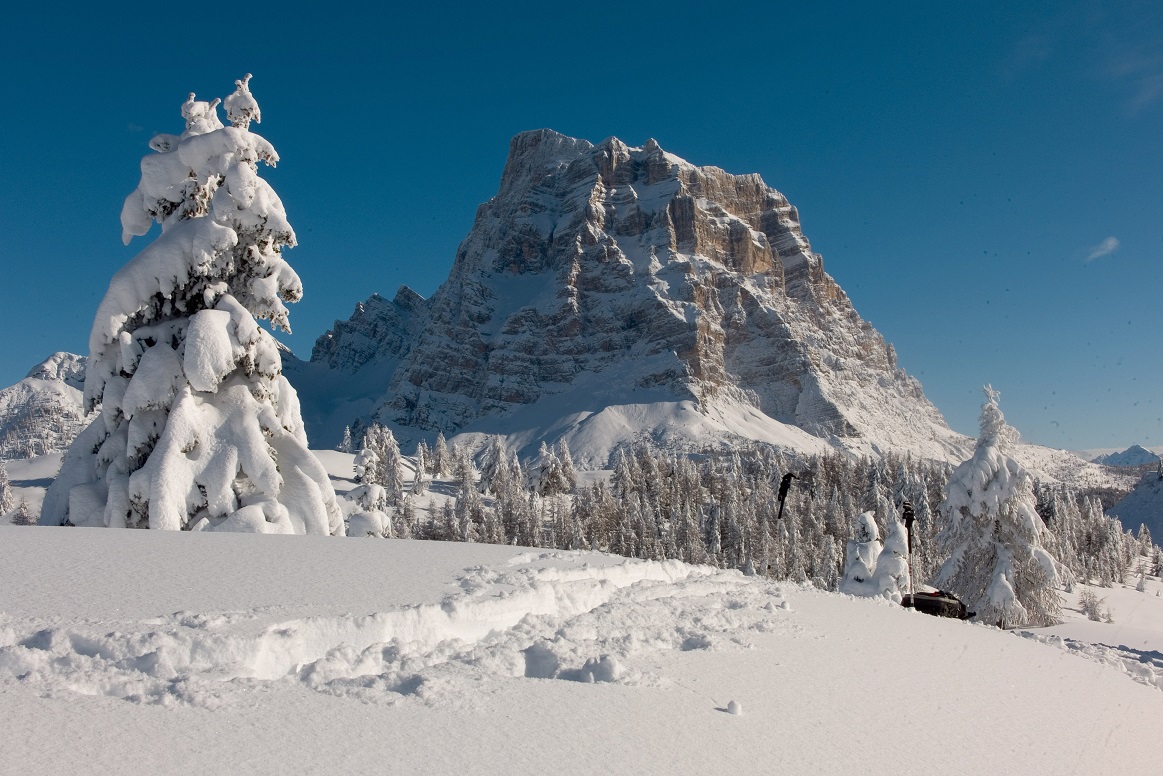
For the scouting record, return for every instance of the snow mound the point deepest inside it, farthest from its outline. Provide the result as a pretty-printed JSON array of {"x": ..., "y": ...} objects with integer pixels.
[{"x": 562, "y": 616}]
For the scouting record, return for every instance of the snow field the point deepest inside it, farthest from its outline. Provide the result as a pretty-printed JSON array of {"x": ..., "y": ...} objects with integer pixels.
[
  {"x": 255, "y": 654},
  {"x": 540, "y": 615}
]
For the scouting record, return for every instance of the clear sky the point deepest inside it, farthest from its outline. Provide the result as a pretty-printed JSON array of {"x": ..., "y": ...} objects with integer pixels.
[{"x": 985, "y": 180}]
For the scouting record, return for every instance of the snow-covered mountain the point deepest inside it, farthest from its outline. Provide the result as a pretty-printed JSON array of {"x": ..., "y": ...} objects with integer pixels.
[
  {"x": 44, "y": 411},
  {"x": 1135, "y": 455},
  {"x": 608, "y": 293}
]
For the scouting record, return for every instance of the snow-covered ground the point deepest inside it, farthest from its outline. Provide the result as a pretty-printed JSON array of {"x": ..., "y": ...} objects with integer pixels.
[{"x": 159, "y": 652}]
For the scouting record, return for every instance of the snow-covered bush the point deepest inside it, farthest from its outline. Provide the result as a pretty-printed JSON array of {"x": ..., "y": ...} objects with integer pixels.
[
  {"x": 860, "y": 557},
  {"x": 996, "y": 562},
  {"x": 873, "y": 569},
  {"x": 198, "y": 427},
  {"x": 892, "y": 567},
  {"x": 372, "y": 517},
  {"x": 1092, "y": 606}
]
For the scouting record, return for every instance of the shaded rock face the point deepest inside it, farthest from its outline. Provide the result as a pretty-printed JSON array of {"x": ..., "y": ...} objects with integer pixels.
[
  {"x": 378, "y": 330},
  {"x": 683, "y": 282},
  {"x": 43, "y": 412}
]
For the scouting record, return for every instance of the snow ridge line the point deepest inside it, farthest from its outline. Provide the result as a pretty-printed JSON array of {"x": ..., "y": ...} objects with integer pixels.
[{"x": 1144, "y": 667}]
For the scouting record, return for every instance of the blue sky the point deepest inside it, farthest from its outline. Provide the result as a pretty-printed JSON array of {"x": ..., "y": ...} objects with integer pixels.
[{"x": 985, "y": 180}]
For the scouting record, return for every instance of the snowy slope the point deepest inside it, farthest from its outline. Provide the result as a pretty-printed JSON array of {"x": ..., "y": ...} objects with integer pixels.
[
  {"x": 268, "y": 654},
  {"x": 1143, "y": 506}
]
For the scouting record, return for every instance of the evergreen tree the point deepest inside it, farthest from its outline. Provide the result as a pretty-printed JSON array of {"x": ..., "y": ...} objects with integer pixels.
[
  {"x": 419, "y": 481},
  {"x": 23, "y": 514},
  {"x": 993, "y": 533},
  {"x": 493, "y": 467},
  {"x": 5, "y": 490},
  {"x": 345, "y": 444},
  {"x": 378, "y": 462},
  {"x": 440, "y": 462},
  {"x": 367, "y": 465},
  {"x": 568, "y": 472},
  {"x": 198, "y": 426}
]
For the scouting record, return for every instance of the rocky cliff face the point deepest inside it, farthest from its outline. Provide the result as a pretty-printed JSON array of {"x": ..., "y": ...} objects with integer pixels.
[
  {"x": 607, "y": 276},
  {"x": 43, "y": 412},
  {"x": 377, "y": 331}
]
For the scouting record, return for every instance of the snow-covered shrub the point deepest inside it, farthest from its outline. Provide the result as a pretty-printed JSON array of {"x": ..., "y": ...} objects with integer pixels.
[
  {"x": 371, "y": 518},
  {"x": 1092, "y": 606},
  {"x": 873, "y": 569},
  {"x": 860, "y": 557},
  {"x": 997, "y": 564},
  {"x": 198, "y": 427}
]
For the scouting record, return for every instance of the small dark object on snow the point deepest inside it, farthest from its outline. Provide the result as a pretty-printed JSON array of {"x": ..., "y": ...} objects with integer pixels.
[{"x": 938, "y": 603}]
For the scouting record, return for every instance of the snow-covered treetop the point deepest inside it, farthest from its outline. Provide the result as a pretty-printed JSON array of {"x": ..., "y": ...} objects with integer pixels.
[
  {"x": 994, "y": 429},
  {"x": 223, "y": 230},
  {"x": 241, "y": 107},
  {"x": 990, "y": 480}
]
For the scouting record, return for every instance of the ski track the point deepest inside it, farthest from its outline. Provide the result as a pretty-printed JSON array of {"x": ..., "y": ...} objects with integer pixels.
[{"x": 541, "y": 616}]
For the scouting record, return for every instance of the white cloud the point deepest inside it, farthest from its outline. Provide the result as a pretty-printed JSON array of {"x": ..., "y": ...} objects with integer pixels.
[{"x": 1104, "y": 248}]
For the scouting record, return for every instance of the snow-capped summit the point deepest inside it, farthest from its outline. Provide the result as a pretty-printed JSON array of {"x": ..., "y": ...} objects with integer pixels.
[
  {"x": 1135, "y": 455},
  {"x": 43, "y": 412},
  {"x": 609, "y": 293}
]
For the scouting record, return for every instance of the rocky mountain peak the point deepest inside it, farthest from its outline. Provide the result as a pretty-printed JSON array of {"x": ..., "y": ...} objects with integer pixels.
[{"x": 607, "y": 276}]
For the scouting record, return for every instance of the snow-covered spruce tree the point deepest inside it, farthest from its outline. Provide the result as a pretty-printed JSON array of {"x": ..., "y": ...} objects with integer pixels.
[
  {"x": 198, "y": 427},
  {"x": 346, "y": 445},
  {"x": 23, "y": 514},
  {"x": 5, "y": 490},
  {"x": 378, "y": 461},
  {"x": 996, "y": 562}
]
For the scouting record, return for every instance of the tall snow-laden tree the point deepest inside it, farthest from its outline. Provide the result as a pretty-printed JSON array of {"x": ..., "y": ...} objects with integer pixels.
[
  {"x": 198, "y": 427},
  {"x": 993, "y": 533}
]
